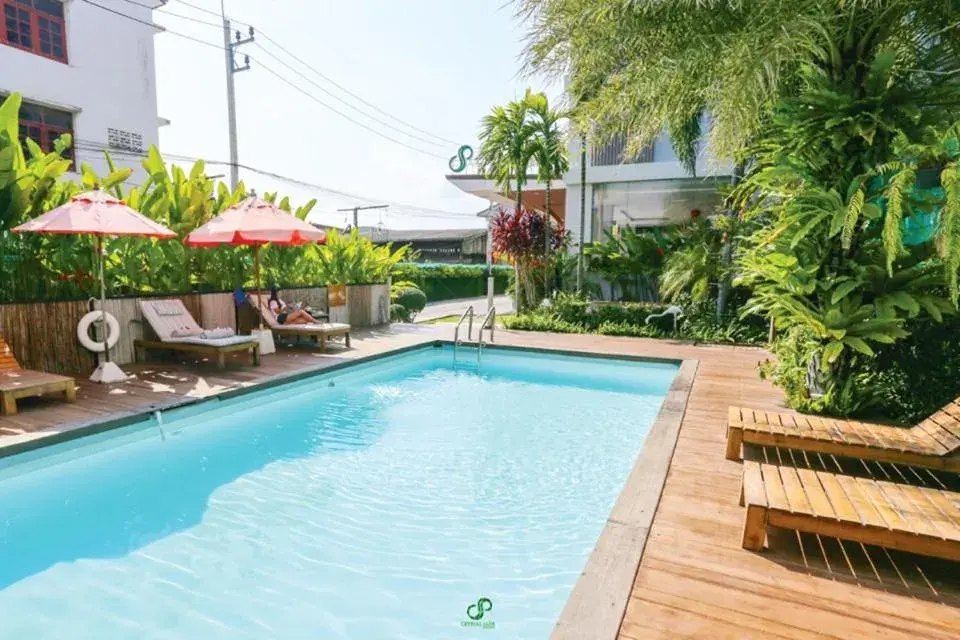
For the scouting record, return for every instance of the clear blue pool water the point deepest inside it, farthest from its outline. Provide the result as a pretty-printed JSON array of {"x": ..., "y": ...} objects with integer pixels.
[{"x": 378, "y": 501}]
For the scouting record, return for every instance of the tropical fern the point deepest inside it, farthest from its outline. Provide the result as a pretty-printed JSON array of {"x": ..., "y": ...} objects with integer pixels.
[{"x": 896, "y": 206}]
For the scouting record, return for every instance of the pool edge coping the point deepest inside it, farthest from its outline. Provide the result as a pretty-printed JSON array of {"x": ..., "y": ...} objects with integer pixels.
[{"x": 598, "y": 603}]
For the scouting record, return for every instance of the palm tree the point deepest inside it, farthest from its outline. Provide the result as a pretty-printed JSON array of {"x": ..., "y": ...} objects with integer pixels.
[
  {"x": 550, "y": 153},
  {"x": 506, "y": 148}
]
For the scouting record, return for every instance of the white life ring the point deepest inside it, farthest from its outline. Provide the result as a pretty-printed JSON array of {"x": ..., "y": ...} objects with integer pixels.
[{"x": 83, "y": 331}]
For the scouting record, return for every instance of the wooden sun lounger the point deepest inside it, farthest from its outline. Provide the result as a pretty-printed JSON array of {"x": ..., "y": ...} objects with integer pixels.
[
  {"x": 322, "y": 331},
  {"x": 175, "y": 316},
  {"x": 934, "y": 443},
  {"x": 219, "y": 353},
  {"x": 923, "y": 520},
  {"x": 16, "y": 383}
]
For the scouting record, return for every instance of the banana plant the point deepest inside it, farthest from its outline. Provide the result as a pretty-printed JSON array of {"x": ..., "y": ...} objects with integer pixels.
[{"x": 354, "y": 259}]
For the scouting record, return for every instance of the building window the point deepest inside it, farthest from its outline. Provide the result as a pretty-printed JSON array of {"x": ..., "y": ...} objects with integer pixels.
[
  {"x": 36, "y": 26},
  {"x": 612, "y": 153},
  {"x": 652, "y": 203},
  {"x": 44, "y": 125}
]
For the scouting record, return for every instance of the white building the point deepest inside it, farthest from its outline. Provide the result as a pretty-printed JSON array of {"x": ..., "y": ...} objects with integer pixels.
[
  {"x": 651, "y": 189},
  {"x": 83, "y": 70}
]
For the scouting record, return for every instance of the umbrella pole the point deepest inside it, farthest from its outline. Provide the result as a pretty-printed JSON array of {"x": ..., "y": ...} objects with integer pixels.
[
  {"x": 103, "y": 302},
  {"x": 256, "y": 269}
]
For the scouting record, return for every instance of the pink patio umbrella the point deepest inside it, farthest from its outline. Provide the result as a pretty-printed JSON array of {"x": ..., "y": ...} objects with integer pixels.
[
  {"x": 255, "y": 222},
  {"x": 98, "y": 214}
]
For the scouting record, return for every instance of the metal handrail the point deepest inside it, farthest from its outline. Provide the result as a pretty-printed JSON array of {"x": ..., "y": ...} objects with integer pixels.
[
  {"x": 456, "y": 331},
  {"x": 491, "y": 320}
]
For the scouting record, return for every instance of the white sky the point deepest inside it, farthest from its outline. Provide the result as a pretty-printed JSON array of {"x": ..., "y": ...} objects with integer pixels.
[{"x": 437, "y": 64}]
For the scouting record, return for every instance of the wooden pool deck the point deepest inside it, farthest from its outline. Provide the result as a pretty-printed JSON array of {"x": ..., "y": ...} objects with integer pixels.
[{"x": 694, "y": 580}]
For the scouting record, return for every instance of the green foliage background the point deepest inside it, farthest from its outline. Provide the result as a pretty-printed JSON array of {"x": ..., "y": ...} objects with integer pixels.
[
  {"x": 36, "y": 267},
  {"x": 841, "y": 117}
]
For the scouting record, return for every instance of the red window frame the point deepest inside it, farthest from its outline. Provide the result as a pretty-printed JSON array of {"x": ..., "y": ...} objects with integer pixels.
[
  {"x": 39, "y": 24},
  {"x": 44, "y": 133}
]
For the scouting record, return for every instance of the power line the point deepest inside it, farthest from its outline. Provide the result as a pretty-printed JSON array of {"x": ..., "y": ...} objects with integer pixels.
[
  {"x": 329, "y": 79},
  {"x": 121, "y": 14},
  {"x": 281, "y": 78},
  {"x": 350, "y": 93},
  {"x": 151, "y": 24},
  {"x": 345, "y": 116},
  {"x": 344, "y": 102},
  {"x": 199, "y": 8},
  {"x": 166, "y": 11},
  {"x": 140, "y": 4}
]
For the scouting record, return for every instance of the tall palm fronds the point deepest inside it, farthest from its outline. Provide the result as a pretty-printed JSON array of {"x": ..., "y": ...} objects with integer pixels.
[
  {"x": 660, "y": 63},
  {"x": 506, "y": 146}
]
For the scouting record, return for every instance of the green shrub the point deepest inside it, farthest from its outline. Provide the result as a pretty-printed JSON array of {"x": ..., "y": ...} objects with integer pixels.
[
  {"x": 852, "y": 395},
  {"x": 905, "y": 381},
  {"x": 918, "y": 375},
  {"x": 628, "y": 329},
  {"x": 540, "y": 322},
  {"x": 411, "y": 299},
  {"x": 399, "y": 313},
  {"x": 397, "y": 286},
  {"x": 592, "y": 314}
]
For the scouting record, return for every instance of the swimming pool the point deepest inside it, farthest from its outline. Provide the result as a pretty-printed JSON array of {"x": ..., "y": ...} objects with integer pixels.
[{"x": 404, "y": 498}]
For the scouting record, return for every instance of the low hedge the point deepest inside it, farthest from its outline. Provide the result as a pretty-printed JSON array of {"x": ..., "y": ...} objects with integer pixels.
[
  {"x": 452, "y": 281},
  {"x": 569, "y": 314}
]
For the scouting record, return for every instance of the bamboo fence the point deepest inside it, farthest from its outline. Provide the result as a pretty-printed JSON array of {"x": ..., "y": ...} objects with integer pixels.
[{"x": 43, "y": 335}]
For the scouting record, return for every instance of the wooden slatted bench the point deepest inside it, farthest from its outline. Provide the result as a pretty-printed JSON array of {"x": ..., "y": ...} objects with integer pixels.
[
  {"x": 933, "y": 443},
  {"x": 17, "y": 383},
  {"x": 923, "y": 520}
]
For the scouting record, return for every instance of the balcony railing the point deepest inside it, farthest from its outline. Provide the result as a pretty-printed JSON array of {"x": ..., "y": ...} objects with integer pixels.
[{"x": 612, "y": 153}]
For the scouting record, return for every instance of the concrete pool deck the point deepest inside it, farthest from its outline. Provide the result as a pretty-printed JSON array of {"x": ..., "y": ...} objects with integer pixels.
[{"x": 693, "y": 580}]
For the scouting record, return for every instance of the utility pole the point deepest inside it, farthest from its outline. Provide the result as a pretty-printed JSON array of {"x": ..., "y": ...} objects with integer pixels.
[
  {"x": 357, "y": 210},
  {"x": 230, "y": 50}
]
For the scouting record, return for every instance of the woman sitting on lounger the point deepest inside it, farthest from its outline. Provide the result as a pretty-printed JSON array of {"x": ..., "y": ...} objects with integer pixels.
[{"x": 285, "y": 313}]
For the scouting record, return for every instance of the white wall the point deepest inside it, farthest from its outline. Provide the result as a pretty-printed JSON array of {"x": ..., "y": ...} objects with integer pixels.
[{"x": 109, "y": 81}]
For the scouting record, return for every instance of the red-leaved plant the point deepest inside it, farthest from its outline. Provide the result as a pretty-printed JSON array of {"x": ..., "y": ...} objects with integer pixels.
[{"x": 521, "y": 236}]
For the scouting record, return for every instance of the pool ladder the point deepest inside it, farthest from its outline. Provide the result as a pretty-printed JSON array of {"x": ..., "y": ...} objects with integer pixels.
[
  {"x": 488, "y": 323},
  {"x": 467, "y": 315}
]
